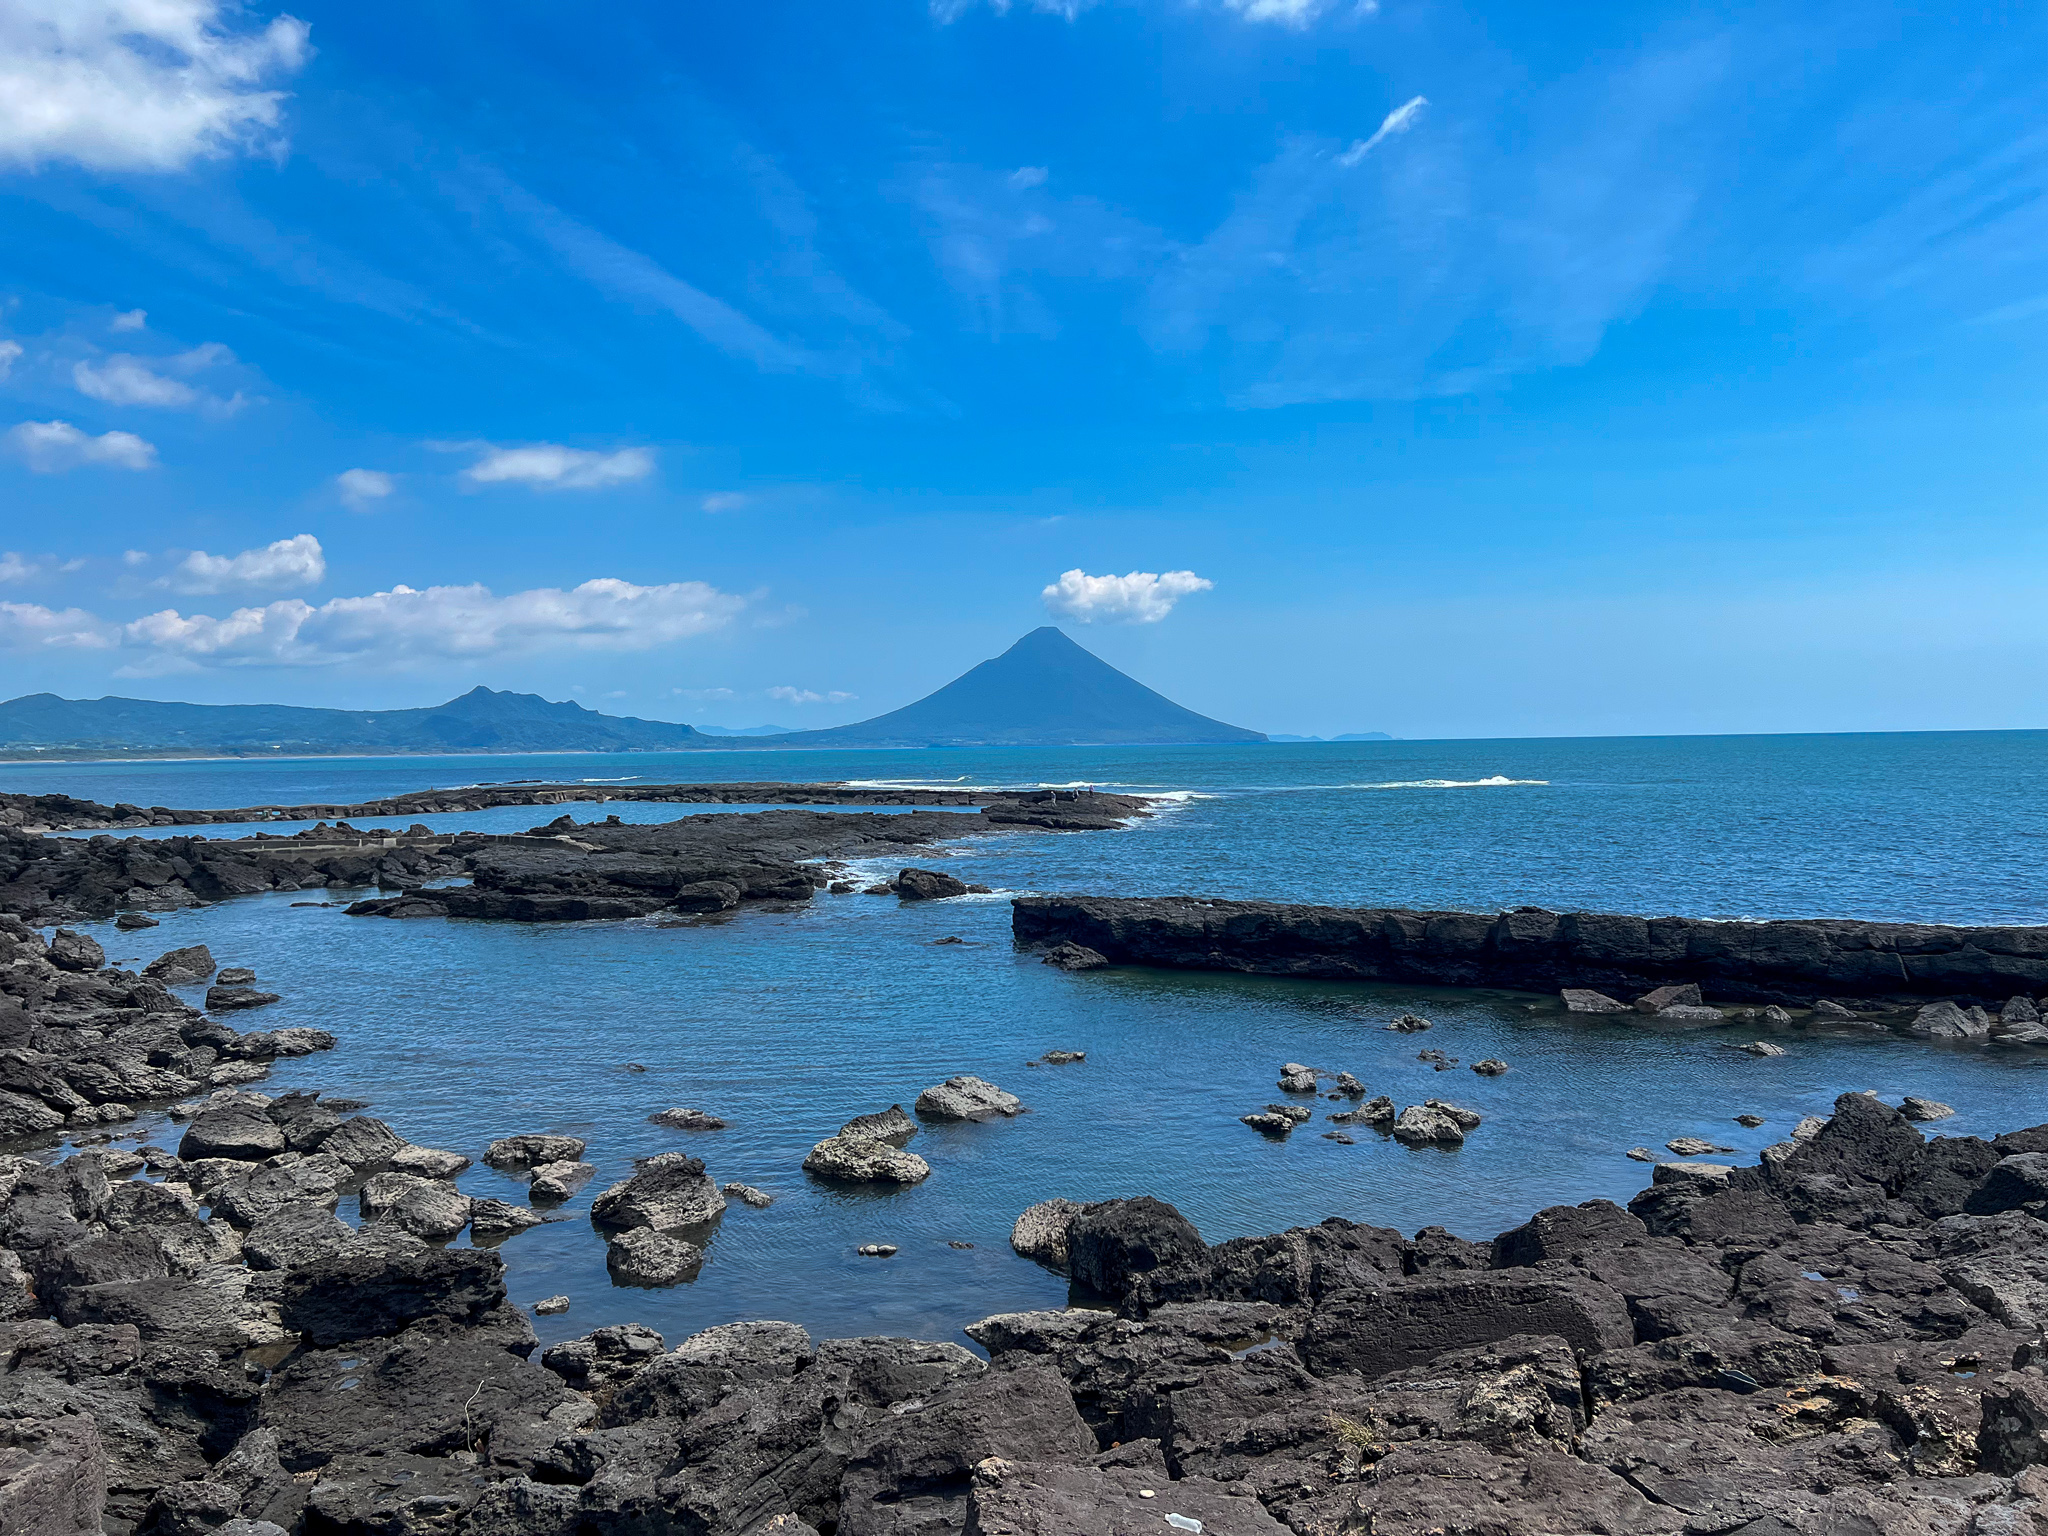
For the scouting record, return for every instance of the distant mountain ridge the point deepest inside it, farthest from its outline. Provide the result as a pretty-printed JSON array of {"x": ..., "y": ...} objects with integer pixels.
[
  {"x": 1043, "y": 691},
  {"x": 482, "y": 720}
]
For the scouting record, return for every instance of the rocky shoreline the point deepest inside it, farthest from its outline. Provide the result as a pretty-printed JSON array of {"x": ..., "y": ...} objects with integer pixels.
[
  {"x": 560, "y": 871},
  {"x": 65, "y": 813},
  {"x": 1860, "y": 966},
  {"x": 1848, "y": 1337}
]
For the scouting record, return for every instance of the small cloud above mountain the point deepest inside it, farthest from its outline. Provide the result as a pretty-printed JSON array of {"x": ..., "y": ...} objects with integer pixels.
[{"x": 1141, "y": 597}]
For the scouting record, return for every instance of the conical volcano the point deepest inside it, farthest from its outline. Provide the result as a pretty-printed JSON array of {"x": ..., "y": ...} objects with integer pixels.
[{"x": 1044, "y": 691}]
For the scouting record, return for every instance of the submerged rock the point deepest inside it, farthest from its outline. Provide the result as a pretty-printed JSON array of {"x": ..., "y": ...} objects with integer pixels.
[
  {"x": 1493, "y": 1066},
  {"x": 645, "y": 1257},
  {"x": 865, "y": 1160},
  {"x": 1063, "y": 1058},
  {"x": 687, "y": 1120},
  {"x": 1761, "y": 1048},
  {"x": 556, "y": 1182},
  {"x": 967, "y": 1098},
  {"x": 747, "y": 1195},
  {"x": 1410, "y": 1023}
]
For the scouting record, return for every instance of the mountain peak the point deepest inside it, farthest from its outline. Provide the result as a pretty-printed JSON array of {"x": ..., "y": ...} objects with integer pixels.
[{"x": 1045, "y": 690}]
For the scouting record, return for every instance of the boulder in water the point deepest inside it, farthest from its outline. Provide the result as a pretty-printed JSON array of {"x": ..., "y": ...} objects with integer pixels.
[
  {"x": 1924, "y": 1109},
  {"x": 516, "y": 1154},
  {"x": 687, "y": 1120},
  {"x": 865, "y": 1160},
  {"x": 665, "y": 1192},
  {"x": 967, "y": 1098},
  {"x": 1660, "y": 998},
  {"x": 181, "y": 967},
  {"x": 1585, "y": 1000},
  {"x": 1075, "y": 957},
  {"x": 927, "y": 885},
  {"x": 892, "y": 1125},
  {"x": 642, "y": 1256}
]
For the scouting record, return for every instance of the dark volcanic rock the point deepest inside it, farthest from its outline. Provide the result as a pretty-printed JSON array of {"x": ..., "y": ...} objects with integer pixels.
[
  {"x": 1113, "y": 1244},
  {"x": 347, "y": 1296},
  {"x": 1776, "y": 962}
]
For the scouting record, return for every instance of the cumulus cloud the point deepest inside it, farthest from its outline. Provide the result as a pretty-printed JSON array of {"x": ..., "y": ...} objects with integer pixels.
[
  {"x": 1142, "y": 597},
  {"x": 551, "y": 467},
  {"x": 29, "y": 626},
  {"x": 123, "y": 379},
  {"x": 51, "y": 447},
  {"x": 129, "y": 320},
  {"x": 809, "y": 696},
  {"x": 361, "y": 487},
  {"x": 437, "y": 623},
  {"x": 287, "y": 563},
  {"x": 10, "y": 354},
  {"x": 1400, "y": 120},
  {"x": 141, "y": 85}
]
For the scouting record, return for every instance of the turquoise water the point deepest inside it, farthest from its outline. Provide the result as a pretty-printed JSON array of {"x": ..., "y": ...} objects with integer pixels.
[{"x": 788, "y": 1024}]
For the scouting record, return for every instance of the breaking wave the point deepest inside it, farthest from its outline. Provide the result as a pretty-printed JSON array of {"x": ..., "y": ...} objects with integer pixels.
[{"x": 1497, "y": 781}]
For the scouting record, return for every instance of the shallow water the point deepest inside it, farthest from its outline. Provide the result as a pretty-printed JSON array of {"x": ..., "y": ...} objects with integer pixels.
[{"x": 789, "y": 1024}]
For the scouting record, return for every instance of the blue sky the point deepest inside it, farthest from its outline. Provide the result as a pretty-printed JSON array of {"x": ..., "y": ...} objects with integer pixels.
[{"x": 1437, "y": 369}]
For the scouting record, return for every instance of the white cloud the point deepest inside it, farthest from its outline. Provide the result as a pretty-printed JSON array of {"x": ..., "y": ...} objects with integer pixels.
[
  {"x": 360, "y": 487},
  {"x": 50, "y": 447},
  {"x": 1142, "y": 597},
  {"x": 551, "y": 467},
  {"x": 1400, "y": 120},
  {"x": 1286, "y": 13},
  {"x": 287, "y": 563},
  {"x": 123, "y": 379},
  {"x": 1026, "y": 177},
  {"x": 703, "y": 695},
  {"x": 134, "y": 557},
  {"x": 129, "y": 320},
  {"x": 725, "y": 501},
  {"x": 405, "y": 625},
  {"x": 809, "y": 696},
  {"x": 1289, "y": 13},
  {"x": 14, "y": 568},
  {"x": 28, "y": 626},
  {"x": 10, "y": 354},
  {"x": 147, "y": 85}
]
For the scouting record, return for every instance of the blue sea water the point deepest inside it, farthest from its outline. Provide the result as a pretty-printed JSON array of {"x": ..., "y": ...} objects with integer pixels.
[{"x": 788, "y": 1024}]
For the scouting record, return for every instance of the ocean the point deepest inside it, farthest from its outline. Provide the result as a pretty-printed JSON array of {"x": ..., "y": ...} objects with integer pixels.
[{"x": 787, "y": 1024}]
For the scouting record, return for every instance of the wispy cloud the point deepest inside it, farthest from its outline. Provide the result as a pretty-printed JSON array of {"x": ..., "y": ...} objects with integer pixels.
[
  {"x": 124, "y": 379},
  {"x": 552, "y": 467},
  {"x": 10, "y": 354},
  {"x": 725, "y": 501},
  {"x": 362, "y": 488},
  {"x": 52, "y": 447},
  {"x": 1400, "y": 120},
  {"x": 788, "y": 695},
  {"x": 278, "y": 567},
  {"x": 1142, "y": 597},
  {"x": 140, "y": 85},
  {"x": 129, "y": 320}
]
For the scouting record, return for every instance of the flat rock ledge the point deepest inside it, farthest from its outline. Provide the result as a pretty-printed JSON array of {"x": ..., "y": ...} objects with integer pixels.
[{"x": 1796, "y": 962}]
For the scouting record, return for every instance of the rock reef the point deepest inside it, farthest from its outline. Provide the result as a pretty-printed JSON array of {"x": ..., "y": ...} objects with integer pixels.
[{"x": 1538, "y": 950}]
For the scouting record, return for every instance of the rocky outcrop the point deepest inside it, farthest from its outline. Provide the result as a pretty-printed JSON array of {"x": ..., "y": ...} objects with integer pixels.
[
  {"x": 967, "y": 1098},
  {"x": 1845, "y": 1336},
  {"x": 668, "y": 1192},
  {"x": 1590, "y": 953}
]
